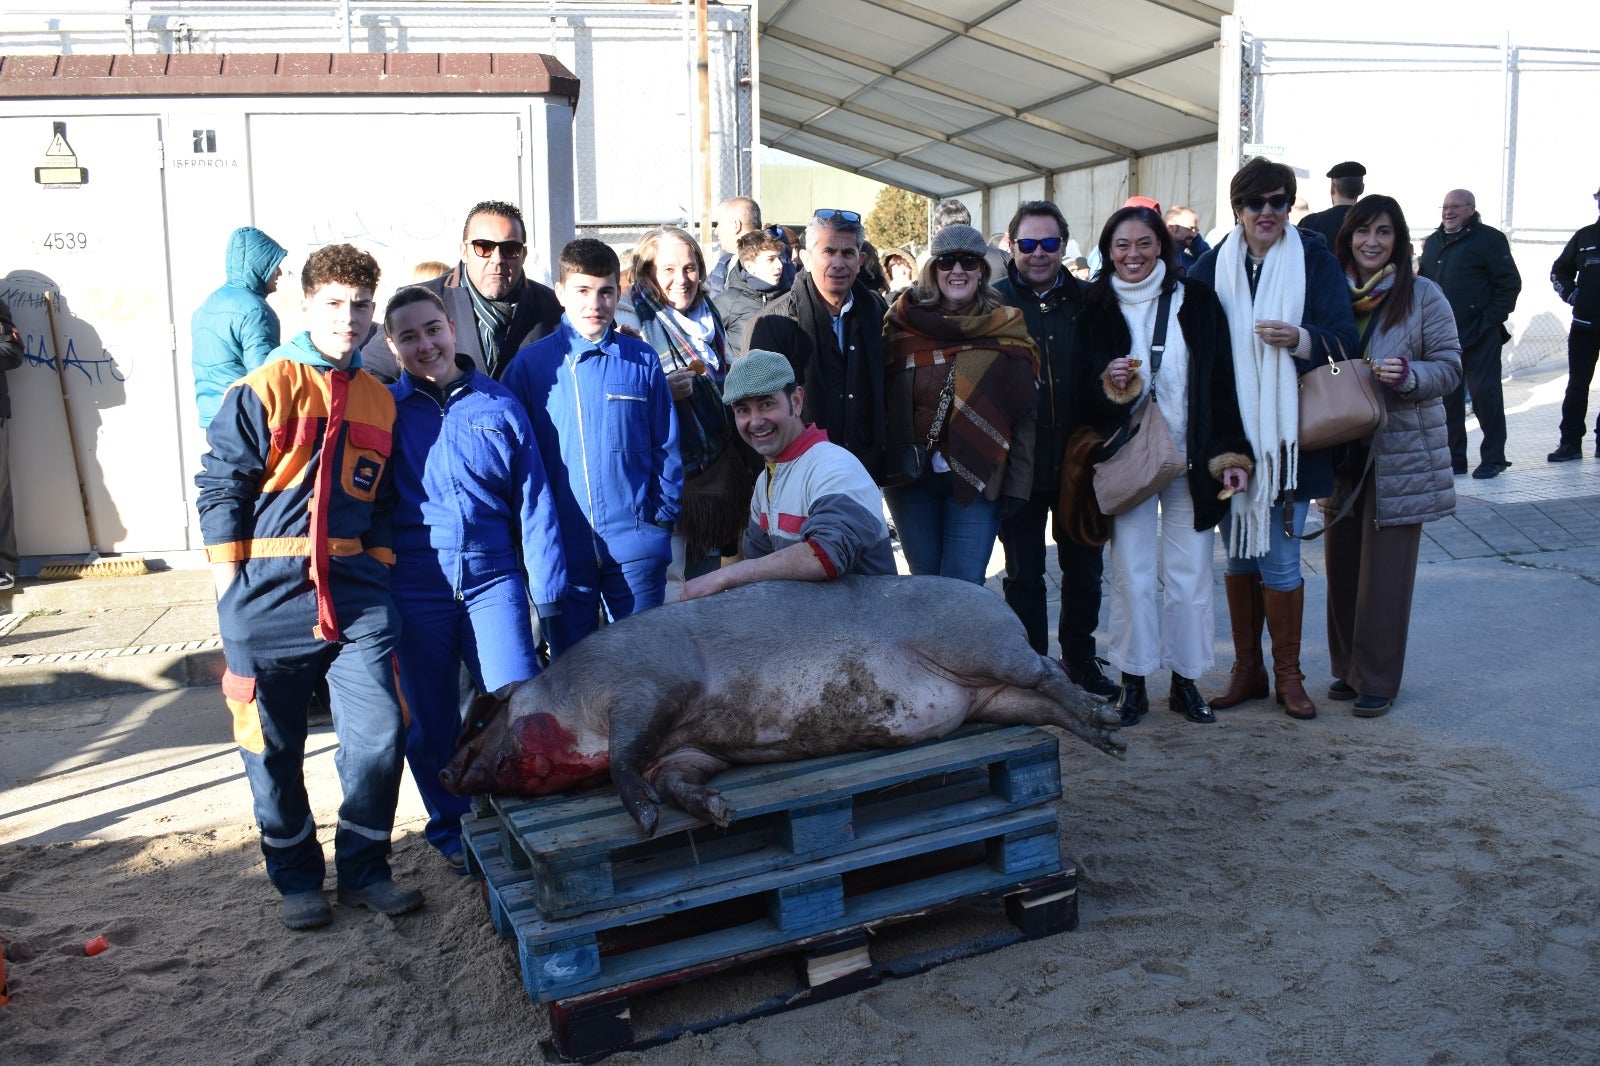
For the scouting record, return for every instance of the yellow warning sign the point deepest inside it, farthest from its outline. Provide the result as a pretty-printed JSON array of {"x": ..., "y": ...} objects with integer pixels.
[{"x": 60, "y": 169}]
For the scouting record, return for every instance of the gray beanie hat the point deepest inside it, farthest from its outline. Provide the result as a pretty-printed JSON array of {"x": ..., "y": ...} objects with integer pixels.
[
  {"x": 759, "y": 373},
  {"x": 958, "y": 238}
]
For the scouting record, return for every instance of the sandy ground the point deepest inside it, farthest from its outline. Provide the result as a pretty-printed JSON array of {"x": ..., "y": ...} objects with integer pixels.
[{"x": 1260, "y": 891}]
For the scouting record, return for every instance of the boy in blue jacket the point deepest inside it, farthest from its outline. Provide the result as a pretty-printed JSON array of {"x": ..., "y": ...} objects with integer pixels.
[
  {"x": 603, "y": 416},
  {"x": 474, "y": 509},
  {"x": 296, "y": 502}
]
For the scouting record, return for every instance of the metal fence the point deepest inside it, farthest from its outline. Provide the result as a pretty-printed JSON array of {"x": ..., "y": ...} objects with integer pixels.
[{"x": 1501, "y": 120}]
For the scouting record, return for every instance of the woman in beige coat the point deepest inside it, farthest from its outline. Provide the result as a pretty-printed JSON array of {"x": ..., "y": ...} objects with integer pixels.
[{"x": 1408, "y": 335}]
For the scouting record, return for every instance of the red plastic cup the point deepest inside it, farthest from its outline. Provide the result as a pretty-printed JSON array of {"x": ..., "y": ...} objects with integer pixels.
[{"x": 95, "y": 946}]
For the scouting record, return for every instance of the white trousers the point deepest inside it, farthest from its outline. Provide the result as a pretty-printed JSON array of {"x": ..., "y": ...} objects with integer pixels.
[{"x": 1176, "y": 632}]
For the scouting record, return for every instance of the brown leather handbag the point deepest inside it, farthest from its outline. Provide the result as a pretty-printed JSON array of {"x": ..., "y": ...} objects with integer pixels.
[{"x": 1339, "y": 403}]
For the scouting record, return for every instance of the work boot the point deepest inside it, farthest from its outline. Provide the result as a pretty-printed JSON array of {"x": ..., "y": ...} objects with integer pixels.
[
  {"x": 1133, "y": 703},
  {"x": 306, "y": 910},
  {"x": 1248, "y": 681},
  {"x": 384, "y": 896},
  {"x": 1285, "y": 611}
]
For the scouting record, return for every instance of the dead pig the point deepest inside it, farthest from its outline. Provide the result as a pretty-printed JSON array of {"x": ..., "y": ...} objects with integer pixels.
[{"x": 663, "y": 700}]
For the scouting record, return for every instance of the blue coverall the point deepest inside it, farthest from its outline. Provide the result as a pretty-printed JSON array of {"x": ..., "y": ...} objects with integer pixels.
[{"x": 474, "y": 509}]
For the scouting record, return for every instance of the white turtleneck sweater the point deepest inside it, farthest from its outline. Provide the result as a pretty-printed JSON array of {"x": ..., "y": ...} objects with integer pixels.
[{"x": 1138, "y": 301}]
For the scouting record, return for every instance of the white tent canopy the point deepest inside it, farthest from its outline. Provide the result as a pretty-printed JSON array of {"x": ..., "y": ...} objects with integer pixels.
[{"x": 986, "y": 93}]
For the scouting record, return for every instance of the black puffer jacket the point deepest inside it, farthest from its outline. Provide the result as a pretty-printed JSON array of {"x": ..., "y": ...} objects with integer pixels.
[
  {"x": 742, "y": 299},
  {"x": 1576, "y": 275}
]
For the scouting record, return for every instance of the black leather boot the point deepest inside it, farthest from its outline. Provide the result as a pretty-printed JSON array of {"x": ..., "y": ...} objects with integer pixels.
[
  {"x": 1132, "y": 702},
  {"x": 1185, "y": 699}
]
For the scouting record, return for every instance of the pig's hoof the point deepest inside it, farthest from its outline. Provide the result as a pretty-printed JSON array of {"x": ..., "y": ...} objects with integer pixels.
[
  {"x": 647, "y": 815},
  {"x": 718, "y": 810}
]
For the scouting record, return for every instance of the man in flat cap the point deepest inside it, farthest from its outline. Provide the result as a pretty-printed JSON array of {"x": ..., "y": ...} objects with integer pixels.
[
  {"x": 815, "y": 514},
  {"x": 1347, "y": 181}
]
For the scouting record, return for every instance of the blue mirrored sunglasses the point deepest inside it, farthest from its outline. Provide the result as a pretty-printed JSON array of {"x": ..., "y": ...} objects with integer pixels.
[
  {"x": 1026, "y": 245},
  {"x": 834, "y": 212}
]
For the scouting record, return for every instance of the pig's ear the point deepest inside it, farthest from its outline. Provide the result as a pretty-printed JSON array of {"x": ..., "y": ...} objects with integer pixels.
[{"x": 483, "y": 711}]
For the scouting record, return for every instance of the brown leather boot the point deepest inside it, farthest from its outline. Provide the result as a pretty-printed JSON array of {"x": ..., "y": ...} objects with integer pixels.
[
  {"x": 1248, "y": 681},
  {"x": 1285, "y": 611}
]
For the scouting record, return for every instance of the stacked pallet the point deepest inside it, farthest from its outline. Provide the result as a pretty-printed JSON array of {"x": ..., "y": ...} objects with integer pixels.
[{"x": 821, "y": 856}]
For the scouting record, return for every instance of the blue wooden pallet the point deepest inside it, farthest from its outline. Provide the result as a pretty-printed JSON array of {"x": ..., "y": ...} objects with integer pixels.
[
  {"x": 704, "y": 925},
  {"x": 857, "y": 955},
  {"x": 584, "y": 853}
]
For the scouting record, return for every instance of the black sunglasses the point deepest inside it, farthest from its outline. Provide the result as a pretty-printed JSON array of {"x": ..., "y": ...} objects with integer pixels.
[
  {"x": 1026, "y": 245},
  {"x": 948, "y": 261},
  {"x": 1257, "y": 203},
  {"x": 508, "y": 249},
  {"x": 834, "y": 212},
  {"x": 778, "y": 232}
]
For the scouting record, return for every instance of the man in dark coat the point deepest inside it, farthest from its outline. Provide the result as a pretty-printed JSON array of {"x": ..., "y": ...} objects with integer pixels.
[
  {"x": 1346, "y": 183},
  {"x": 1050, "y": 299},
  {"x": 493, "y": 305},
  {"x": 1472, "y": 263},
  {"x": 1576, "y": 276},
  {"x": 830, "y": 327}
]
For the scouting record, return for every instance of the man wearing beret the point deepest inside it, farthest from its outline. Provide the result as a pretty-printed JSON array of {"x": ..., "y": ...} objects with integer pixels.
[
  {"x": 815, "y": 514},
  {"x": 1344, "y": 189}
]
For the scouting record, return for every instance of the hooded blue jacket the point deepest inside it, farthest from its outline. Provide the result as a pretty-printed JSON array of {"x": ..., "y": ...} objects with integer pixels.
[{"x": 234, "y": 330}]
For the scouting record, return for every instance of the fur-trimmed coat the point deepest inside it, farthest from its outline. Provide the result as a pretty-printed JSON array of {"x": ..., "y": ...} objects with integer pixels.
[{"x": 1215, "y": 435}]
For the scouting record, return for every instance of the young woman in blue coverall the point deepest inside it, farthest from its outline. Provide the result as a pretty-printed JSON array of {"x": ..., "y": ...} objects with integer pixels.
[{"x": 475, "y": 536}]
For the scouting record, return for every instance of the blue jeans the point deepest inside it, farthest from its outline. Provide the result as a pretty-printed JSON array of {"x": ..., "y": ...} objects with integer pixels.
[
  {"x": 489, "y": 628},
  {"x": 268, "y": 700},
  {"x": 940, "y": 536},
  {"x": 1280, "y": 567}
]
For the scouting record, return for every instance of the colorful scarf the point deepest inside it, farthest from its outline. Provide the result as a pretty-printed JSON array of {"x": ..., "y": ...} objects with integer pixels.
[
  {"x": 996, "y": 368},
  {"x": 1365, "y": 299}
]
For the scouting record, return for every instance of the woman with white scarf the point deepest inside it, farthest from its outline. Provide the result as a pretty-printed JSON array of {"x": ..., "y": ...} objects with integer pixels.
[
  {"x": 1288, "y": 311},
  {"x": 1190, "y": 380}
]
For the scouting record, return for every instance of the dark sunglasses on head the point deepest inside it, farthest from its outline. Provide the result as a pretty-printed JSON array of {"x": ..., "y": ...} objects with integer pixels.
[
  {"x": 834, "y": 212},
  {"x": 1257, "y": 203},
  {"x": 1026, "y": 245},
  {"x": 508, "y": 249},
  {"x": 778, "y": 232},
  {"x": 967, "y": 260}
]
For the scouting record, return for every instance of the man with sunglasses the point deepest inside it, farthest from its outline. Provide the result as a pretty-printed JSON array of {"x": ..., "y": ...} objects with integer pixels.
[
  {"x": 830, "y": 327},
  {"x": 1050, "y": 299},
  {"x": 494, "y": 307}
]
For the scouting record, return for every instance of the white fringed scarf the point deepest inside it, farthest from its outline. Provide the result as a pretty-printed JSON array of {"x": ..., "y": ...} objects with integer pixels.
[{"x": 1266, "y": 379}]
